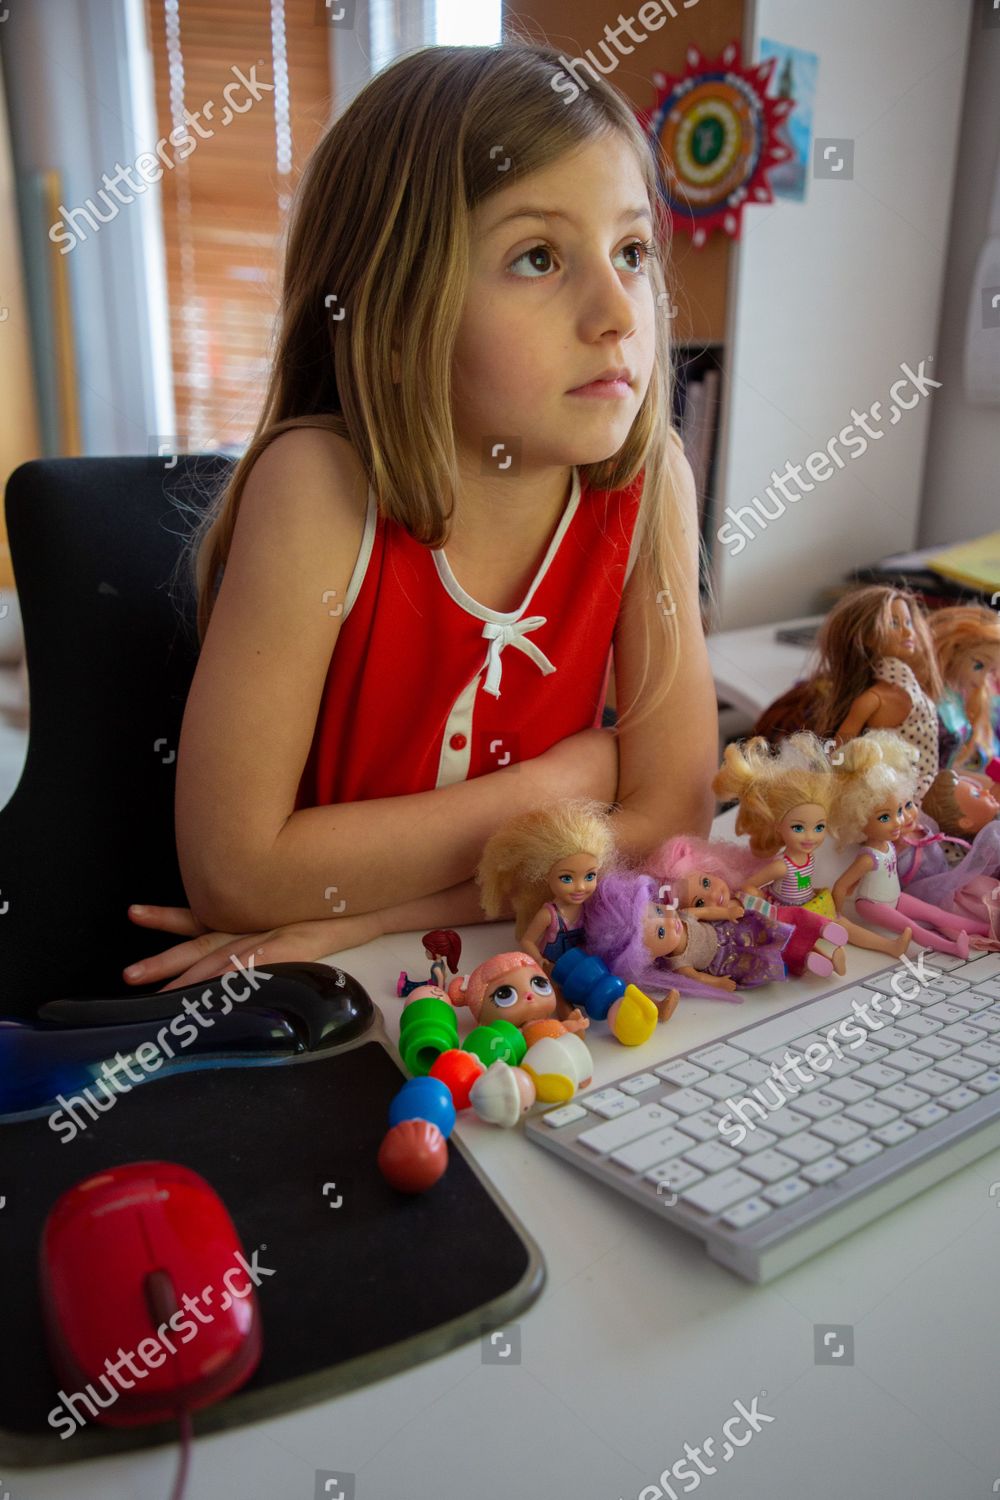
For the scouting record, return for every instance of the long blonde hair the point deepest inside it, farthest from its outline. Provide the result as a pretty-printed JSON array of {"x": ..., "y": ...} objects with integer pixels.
[
  {"x": 381, "y": 219},
  {"x": 517, "y": 858},
  {"x": 768, "y": 783},
  {"x": 958, "y": 630},
  {"x": 851, "y": 639}
]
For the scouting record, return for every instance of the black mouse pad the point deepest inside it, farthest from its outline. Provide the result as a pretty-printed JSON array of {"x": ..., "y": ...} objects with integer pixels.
[{"x": 366, "y": 1282}]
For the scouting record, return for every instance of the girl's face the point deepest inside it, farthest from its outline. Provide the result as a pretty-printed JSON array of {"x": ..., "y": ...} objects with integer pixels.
[
  {"x": 574, "y": 879},
  {"x": 884, "y": 822},
  {"x": 552, "y": 303},
  {"x": 701, "y": 889},
  {"x": 663, "y": 930},
  {"x": 523, "y": 995},
  {"x": 976, "y": 667},
  {"x": 803, "y": 828},
  {"x": 901, "y": 638}
]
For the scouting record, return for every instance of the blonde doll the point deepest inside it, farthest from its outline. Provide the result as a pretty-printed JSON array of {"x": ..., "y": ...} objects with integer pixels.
[
  {"x": 868, "y": 810},
  {"x": 786, "y": 799},
  {"x": 967, "y": 639}
]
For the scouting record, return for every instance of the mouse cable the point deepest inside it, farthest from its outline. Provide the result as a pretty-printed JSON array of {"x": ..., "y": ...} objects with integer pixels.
[{"x": 180, "y": 1483}]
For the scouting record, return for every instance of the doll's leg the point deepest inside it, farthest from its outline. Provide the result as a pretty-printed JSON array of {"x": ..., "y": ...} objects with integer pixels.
[
  {"x": 936, "y": 916},
  {"x": 875, "y": 942},
  {"x": 892, "y": 916}
]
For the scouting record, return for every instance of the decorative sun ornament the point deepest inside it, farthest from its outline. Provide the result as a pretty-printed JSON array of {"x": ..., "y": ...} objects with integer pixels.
[{"x": 718, "y": 132}]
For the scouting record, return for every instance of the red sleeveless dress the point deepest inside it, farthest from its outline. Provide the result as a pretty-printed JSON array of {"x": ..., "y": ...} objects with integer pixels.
[{"x": 427, "y": 687}]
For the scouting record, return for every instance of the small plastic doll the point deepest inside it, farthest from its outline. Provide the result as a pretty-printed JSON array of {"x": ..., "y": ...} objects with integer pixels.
[
  {"x": 868, "y": 810},
  {"x": 547, "y": 864},
  {"x": 785, "y": 798},
  {"x": 442, "y": 946},
  {"x": 640, "y": 935},
  {"x": 967, "y": 639},
  {"x": 961, "y": 805},
  {"x": 878, "y": 656},
  {"x": 711, "y": 879}
]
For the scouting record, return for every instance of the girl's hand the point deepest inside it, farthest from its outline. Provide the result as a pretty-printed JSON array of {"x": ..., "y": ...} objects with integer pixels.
[{"x": 209, "y": 954}]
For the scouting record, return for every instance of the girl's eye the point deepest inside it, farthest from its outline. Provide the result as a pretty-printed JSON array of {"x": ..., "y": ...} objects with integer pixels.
[
  {"x": 798, "y": 828},
  {"x": 883, "y": 817},
  {"x": 700, "y": 901},
  {"x": 820, "y": 828},
  {"x": 504, "y": 995},
  {"x": 591, "y": 875},
  {"x": 705, "y": 884},
  {"x": 541, "y": 985},
  {"x": 566, "y": 879},
  {"x": 647, "y": 247}
]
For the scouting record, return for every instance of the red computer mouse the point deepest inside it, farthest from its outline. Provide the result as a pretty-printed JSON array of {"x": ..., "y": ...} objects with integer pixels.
[{"x": 120, "y": 1253}]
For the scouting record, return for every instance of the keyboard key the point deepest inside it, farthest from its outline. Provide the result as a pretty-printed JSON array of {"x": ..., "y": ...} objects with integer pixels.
[
  {"x": 804, "y": 1147},
  {"x": 849, "y": 1090},
  {"x": 987, "y": 1052},
  {"x": 894, "y": 1132},
  {"x": 757, "y": 1140},
  {"x": 639, "y": 1084},
  {"x": 718, "y": 1058},
  {"x": 819, "y": 1106},
  {"x": 565, "y": 1115},
  {"x": 928, "y": 1114},
  {"x": 677, "y": 1174},
  {"x": 682, "y": 1072},
  {"x": 921, "y": 1025},
  {"x": 893, "y": 1037},
  {"x": 986, "y": 1082},
  {"x": 972, "y": 1002},
  {"x": 651, "y": 1150},
  {"x": 609, "y": 1102},
  {"x": 786, "y": 1121},
  {"x": 769, "y": 1165},
  {"x": 987, "y": 1020},
  {"x": 717, "y": 1193},
  {"x": 742, "y": 1215},
  {"x": 711, "y": 1157},
  {"x": 629, "y": 1127},
  {"x": 989, "y": 987},
  {"x": 962, "y": 1067},
  {"x": 959, "y": 1098},
  {"x": 902, "y": 1096},
  {"x": 870, "y": 1112},
  {"x": 869, "y": 1052},
  {"x": 703, "y": 1126},
  {"x": 879, "y": 1076},
  {"x": 963, "y": 1033},
  {"x": 945, "y": 1010},
  {"x": 859, "y": 1151},
  {"x": 817, "y": 1015},
  {"x": 722, "y": 1086},
  {"x": 753, "y": 1071},
  {"x": 885, "y": 983},
  {"x": 841, "y": 1067},
  {"x": 935, "y": 1047},
  {"x": 906, "y": 1008},
  {"x": 908, "y": 1060},
  {"x": 824, "y": 1170},
  {"x": 839, "y": 1129},
  {"x": 935, "y": 1083},
  {"x": 686, "y": 1101},
  {"x": 786, "y": 1192},
  {"x": 950, "y": 984}
]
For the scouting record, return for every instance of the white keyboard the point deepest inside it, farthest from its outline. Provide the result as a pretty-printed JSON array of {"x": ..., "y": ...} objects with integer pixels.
[{"x": 769, "y": 1172}]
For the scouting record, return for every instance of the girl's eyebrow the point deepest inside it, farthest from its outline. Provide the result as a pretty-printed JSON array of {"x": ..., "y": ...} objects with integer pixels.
[{"x": 540, "y": 213}]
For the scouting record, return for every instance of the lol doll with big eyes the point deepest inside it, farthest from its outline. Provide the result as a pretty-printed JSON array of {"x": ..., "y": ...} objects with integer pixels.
[
  {"x": 785, "y": 800},
  {"x": 967, "y": 640},
  {"x": 641, "y": 936},
  {"x": 442, "y": 946},
  {"x": 712, "y": 880},
  {"x": 868, "y": 810},
  {"x": 877, "y": 655}
]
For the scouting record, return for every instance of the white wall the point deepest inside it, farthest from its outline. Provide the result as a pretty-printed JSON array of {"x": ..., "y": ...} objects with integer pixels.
[
  {"x": 961, "y": 494},
  {"x": 834, "y": 293}
]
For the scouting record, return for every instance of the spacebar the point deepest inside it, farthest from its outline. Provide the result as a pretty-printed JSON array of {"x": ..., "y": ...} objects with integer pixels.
[{"x": 799, "y": 1020}]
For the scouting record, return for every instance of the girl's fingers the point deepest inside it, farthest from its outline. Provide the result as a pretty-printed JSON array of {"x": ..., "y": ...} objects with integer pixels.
[
  {"x": 175, "y": 959},
  {"x": 220, "y": 962},
  {"x": 179, "y": 919}
]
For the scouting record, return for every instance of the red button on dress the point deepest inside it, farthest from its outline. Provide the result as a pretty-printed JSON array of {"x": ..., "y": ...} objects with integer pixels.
[{"x": 457, "y": 742}]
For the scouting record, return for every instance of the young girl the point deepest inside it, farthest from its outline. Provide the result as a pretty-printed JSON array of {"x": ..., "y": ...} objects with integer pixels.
[{"x": 462, "y": 495}]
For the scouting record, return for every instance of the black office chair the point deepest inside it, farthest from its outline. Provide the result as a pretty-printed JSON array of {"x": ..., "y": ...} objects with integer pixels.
[{"x": 111, "y": 649}]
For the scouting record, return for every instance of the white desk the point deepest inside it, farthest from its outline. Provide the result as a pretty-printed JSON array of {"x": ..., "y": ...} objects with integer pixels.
[
  {"x": 640, "y": 1344},
  {"x": 751, "y": 668}
]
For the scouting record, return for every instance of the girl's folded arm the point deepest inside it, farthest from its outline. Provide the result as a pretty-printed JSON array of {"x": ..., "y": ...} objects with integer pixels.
[
  {"x": 668, "y": 760},
  {"x": 249, "y": 861}
]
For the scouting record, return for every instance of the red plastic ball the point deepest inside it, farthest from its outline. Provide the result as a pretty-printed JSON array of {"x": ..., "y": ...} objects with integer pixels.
[
  {"x": 458, "y": 1071},
  {"x": 413, "y": 1155}
]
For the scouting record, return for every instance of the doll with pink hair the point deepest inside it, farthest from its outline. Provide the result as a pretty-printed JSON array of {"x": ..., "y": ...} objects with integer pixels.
[
  {"x": 868, "y": 810},
  {"x": 640, "y": 935},
  {"x": 714, "y": 879}
]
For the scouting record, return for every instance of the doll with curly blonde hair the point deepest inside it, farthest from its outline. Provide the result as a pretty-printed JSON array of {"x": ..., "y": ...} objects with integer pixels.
[
  {"x": 967, "y": 639},
  {"x": 786, "y": 798},
  {"x": 873, "y": 784}
]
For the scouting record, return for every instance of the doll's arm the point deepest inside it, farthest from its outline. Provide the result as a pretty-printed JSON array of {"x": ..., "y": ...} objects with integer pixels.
[
  {"x": 850, "y": 878},
  {"x": 860, "y": 714},
  {"x": 772, "y": 871},
  {"x": 531, "y": 939},
  {"x": 719, "y": 981},
  {"x": 730, "y": 913}
]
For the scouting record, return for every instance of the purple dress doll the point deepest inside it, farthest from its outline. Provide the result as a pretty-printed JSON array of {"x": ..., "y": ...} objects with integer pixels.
[{"x": 640, "y": 937}]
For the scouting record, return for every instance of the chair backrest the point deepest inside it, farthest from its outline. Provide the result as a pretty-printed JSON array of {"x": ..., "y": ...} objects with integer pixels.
[{"x": 111, "y": 648}]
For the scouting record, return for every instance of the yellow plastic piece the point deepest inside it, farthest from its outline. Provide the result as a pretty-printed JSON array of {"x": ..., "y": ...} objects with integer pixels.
[
  {"x": 551, "y": 1088},
  {"x": 636, "y": 1018}
]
